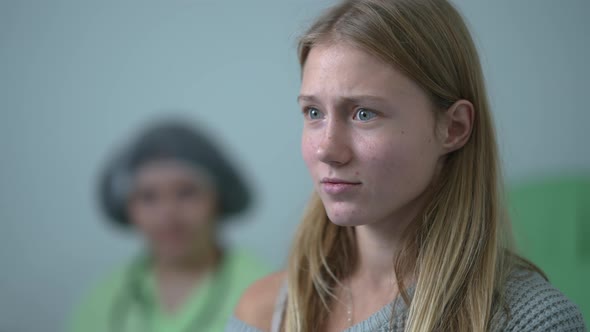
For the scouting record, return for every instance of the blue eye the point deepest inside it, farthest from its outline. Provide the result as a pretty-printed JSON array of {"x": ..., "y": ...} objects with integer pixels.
[
  {"x": 364, "y": 114},
  {"x": 313, "y": 113}
]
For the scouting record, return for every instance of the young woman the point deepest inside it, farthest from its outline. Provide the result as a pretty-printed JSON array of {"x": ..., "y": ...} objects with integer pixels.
[
  {"x": 174, "y": 187},
  {"x": 406, "y": 230}
]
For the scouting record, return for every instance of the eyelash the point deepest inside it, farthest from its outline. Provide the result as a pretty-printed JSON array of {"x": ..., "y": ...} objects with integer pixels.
[
  {"x": 307, "y": 110},
  {"x": 358, "y": 110}
]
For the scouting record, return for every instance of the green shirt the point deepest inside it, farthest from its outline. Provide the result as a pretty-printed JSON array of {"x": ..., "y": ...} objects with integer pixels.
[{"x": 127, "y": 300}]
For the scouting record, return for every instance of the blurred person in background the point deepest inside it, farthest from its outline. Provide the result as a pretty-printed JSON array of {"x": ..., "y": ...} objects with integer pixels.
[{"x": 173, "y": 187}]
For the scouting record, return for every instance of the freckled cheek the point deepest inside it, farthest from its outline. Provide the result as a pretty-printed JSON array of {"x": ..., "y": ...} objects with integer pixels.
[
  {"x": 308, "y": 150},
  {"x": 382, "y": 162},
  {"x": 372, "y": 163},
  {"x": 384, "y": 166}
]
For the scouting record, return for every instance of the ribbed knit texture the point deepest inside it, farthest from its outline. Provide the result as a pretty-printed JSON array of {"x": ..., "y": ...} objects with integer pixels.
[{"x": 535, "y": 306}]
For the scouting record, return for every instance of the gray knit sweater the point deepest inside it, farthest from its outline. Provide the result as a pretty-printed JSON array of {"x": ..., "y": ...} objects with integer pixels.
[{"x": 534, "y": 305}]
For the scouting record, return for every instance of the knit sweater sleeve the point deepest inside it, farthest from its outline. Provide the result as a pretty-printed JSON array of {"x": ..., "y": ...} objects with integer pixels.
[{"x": 535, "y": 306}]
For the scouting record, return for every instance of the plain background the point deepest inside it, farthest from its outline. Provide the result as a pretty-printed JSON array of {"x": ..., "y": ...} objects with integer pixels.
[{"x": 77, "y": 78}]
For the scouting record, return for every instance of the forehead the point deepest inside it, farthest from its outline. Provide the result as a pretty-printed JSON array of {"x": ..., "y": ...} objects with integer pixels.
[
  {"x": 169, "y": 171},
  {"x": 341, "y": 69}
]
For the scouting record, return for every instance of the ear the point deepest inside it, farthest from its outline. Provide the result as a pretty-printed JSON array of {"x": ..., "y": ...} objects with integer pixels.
[{"x": 456, "y": 125}]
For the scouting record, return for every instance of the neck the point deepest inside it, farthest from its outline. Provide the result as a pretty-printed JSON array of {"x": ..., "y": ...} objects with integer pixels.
[
  {"x": 376, "y": 254},
  {"x": 379, "y": 242},
  {"x": 176, "y": 278},
  {"x": 186, "y": 268}
]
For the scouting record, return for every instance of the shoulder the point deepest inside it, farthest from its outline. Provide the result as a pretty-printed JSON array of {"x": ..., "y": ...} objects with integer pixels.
[
  {"x": 94, "y": 306},
  {"x": 535, "y": 305},
  {"x": 256, "y": 307},
  {"x": 107, "y": 286}
]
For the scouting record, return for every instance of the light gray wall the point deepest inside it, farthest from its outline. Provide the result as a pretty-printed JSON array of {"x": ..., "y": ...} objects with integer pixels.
[{"x": 77, "y": 77}]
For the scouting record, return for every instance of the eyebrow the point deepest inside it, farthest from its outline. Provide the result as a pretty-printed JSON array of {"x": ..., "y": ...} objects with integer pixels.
[
  {"x": 308, "y": 98},
  {"x": 350, "y": 99}
]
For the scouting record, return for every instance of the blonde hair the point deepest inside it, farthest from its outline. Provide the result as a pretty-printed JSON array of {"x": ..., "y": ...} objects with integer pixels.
[{"x": 458, "y": 250}]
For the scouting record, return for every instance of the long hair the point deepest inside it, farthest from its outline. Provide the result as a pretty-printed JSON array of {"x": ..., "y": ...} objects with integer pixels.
[{"x": 458, "y": 251}]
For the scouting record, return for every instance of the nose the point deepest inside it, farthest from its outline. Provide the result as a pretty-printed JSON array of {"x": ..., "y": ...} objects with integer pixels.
[
  {"x": 334, "y": 148},
  {"x": 166, "y": 211}
]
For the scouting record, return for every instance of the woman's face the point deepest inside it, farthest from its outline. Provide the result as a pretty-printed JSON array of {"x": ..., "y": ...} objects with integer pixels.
[
  {"x": 174, "y": 207},
  {"x": 369, "y": 137}
]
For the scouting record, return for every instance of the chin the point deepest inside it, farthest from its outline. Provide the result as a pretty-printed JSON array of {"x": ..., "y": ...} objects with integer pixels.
[
  {"x": 172, "y": 253},
  {"x": 345, "y": 216}
]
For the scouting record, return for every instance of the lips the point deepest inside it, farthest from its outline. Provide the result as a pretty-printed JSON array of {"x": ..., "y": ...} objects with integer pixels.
[{"x": 334, "y": 186}]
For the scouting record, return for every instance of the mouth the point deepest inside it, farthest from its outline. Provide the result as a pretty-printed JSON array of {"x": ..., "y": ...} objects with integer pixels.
[{"x": 334, "y": 186}]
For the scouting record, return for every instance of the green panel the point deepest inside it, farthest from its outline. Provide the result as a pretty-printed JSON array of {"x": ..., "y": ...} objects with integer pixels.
[
  {"x": 583, "y": 234},
  {"x": 552, "y": 228}
]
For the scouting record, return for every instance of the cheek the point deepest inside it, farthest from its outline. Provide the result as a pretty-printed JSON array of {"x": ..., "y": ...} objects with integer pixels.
[
  {"x": 200, "y": 212},
  {"x": 406, "y": 160},
  {"x": 308, "y": 149},
  {"x": 382, "y": 161},
  {"x": 418, "y": 167},
  {"x": 141, "y": 217}
]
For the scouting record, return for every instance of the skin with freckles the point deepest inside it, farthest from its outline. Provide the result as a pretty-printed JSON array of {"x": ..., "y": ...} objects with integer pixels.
[
  {"x": 399, "y": 140},
  {"x": 369, "y": 138},
  {"x": 373, "y": 143}
]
